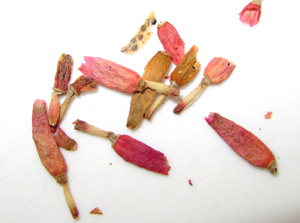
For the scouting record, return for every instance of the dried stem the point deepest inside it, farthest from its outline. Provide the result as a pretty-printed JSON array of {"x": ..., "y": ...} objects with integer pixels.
[
  {"x": 162, "y": 88},
  {"x": 70, "y": 200},
  {"x": 158, "y": 102},
  {"x": 66, "y": 103},
  {"x": 193, "y": 95}
]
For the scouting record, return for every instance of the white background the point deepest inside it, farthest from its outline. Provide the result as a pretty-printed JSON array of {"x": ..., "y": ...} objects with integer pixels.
[{"x": 225, "y": 187}]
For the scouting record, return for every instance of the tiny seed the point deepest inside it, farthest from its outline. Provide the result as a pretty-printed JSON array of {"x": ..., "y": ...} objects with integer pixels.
[
  {"x": 134, "y": 47},
  {"x": 153, "y": 21},
  {"x": 133, "y": 40},
  {"x": 143, "y": 27},
  {"x": 140, "y": 37}
]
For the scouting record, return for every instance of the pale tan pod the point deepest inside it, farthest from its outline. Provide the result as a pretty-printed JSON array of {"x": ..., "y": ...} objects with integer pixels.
[{"x": 141, "y": 37}]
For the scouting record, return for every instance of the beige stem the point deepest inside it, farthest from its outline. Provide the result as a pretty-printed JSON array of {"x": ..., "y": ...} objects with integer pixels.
[
  {"x": 66, "y": 103},
  {"x": 162, "y": 88},
  {"x": 193, "y": 95},
  {"x": 70, "y": 200}
]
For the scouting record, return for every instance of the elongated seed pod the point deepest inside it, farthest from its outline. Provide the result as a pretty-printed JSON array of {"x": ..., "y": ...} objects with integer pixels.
[
  {"x": 64, "y": 141},
  {"x": 155, "y": 70},
  {"x": 130, "y": 149},
  {"x": 48, "y": 151},
  {"x": 171, "y": 41},
  {"x": 120, "y": 78},
  {"x": 243, "y": 142}
]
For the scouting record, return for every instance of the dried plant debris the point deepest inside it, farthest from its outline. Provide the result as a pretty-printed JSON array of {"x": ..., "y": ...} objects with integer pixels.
[
  {"x": 184, "y": 72},
  {"x": 120, "y": 78},
  {"x": 250, "y": 14},
  {"x": 142, "y": 36},
  {"x": 243, "y": 142},
  {"x": 268, "y": 115},
  {"x": 171, "y": 41},
  {"x": 48, "y": 151},
  {"x": 155, "y": 70},
  {"x": 217, "y": 70},
  {"x": 130, "y": 149},
  {"x": 64, "y": 141},
  {"x": 96, "y": 210}
]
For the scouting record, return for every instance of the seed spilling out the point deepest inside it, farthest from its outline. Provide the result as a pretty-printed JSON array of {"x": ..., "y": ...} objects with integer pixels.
[
  {"x": 142, "y": 36},
  {"x": 130, "y": 149},
  {"x": 243, "y": 142}
]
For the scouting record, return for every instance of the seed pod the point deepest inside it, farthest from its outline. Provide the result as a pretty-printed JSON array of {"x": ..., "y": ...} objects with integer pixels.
[
  {"x": 216, "y": 72},
  {"x": 48, "y": 151},
  {"x": 154, "y": 71},
  {"x": 64, "y": 141},
  {"x": 82, "y": 84},
  {"x": 243, "y": 142},
  {"x": 62, "y": 77},
  {"x": 120, "y": 78},
  {"x": 141, "y": 37},
  {"x": 250, "y": 14},
  {"x": 184, "y": 72},
  {"x": 171, "y": 41},
  {"x": 130, "y": 149}
]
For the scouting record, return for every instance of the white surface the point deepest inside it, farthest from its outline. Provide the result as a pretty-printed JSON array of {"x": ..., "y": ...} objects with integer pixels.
[{"x": 226, "y": 188}]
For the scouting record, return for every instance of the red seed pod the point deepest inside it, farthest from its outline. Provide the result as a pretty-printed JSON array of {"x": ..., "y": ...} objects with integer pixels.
[
  {"x": 120, "y": 78},
  {"x": 130, "y": 149},
  {"x": 243, "y": 142},
  {"x": 48, "y": 151},
  {"x": 250, "y": 14},
  {"x": 63, "y": 73},
  {"x": 171, "y": 41}
]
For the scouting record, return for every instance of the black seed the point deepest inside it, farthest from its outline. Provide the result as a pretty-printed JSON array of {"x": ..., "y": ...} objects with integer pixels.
[
  {"x": 153, "y": 21},
  {"x": 140, "y": 37},
  {"x": 143, "y": 28}
]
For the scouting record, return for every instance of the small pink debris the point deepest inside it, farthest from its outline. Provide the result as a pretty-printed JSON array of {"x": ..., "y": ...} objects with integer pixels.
[
  {"x": 167, "y": 77},
  {"x": 96, "y": 211},
  {"x": 268, "y": 115},
  {"x": 190, "y": 182}
]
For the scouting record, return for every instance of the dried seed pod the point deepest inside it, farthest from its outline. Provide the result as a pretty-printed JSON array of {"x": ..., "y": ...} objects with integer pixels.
[
  {"x": 82, "y": 84},
  {"x": 155, "y": 70},
  {"x": 130, "y": 149},
  {"x": 48, "y": 151},
  {"x": 250, "y": 14},
  {"x": 62, "y": 78},
  {"x": 243, "y": 142},
  {"x": 171, "y": 41},
  {"x": 141, "y": 37},
  {"x": 184, "y": 72},
  {"x": 120, "y": 78},
  {"x": 216, "y": 72},
  {"x": 64, "y": 141}
]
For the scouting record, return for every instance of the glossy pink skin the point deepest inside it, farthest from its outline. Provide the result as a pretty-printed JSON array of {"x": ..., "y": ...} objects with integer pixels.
[
  {"x": 142, "y": 155},
  {"x": 110, "y": 74},
  {"x": 250, "y": 15},
  {"x": 49, "y": 153},
  {"x": 171, "y": 41},
  {"x": 243, "y": 142},
  {"x": 219, "y": 69}
]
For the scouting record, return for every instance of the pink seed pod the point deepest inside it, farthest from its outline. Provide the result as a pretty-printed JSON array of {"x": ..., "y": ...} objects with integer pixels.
[
  {"x": 171, "y": 41},
  {"x": 130, "y": 149},
  {"x": 48, "y": 151},
  {"x": 250, "y": 14},
  {"x": 120, "y": 78},
  {"x": 243, "y": 142}
]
